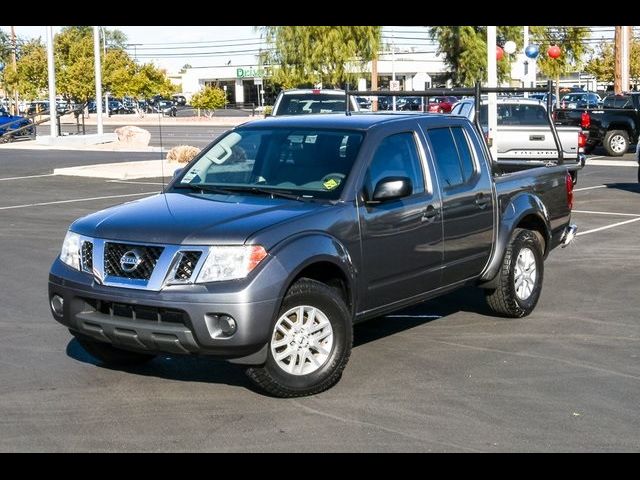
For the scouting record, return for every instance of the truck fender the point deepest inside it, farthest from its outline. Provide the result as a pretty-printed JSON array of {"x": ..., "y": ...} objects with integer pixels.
[
  {"x": 520, "y": 207},
  {"x": 301, "y": 251}
]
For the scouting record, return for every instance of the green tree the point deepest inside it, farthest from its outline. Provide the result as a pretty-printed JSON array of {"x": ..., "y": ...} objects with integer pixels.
[
  {"x": 208, "y": 99},
  {"x": 571, "y": 41},
  {"x": 75, "y": 78},
  {"x": 602, "y": 65},
  {"x": 185, "y": 67},
  {"x": 311, "y": 54},
  {"x": 30, "y": 77},
  {"x": 465, "y": 51}
]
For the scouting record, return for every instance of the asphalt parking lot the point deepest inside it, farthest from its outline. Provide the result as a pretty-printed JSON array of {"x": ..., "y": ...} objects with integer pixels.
[{"x": 442, "y": 376}]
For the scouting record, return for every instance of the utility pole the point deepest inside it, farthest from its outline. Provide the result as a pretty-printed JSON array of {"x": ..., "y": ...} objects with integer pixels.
[
  {"x": 622, "y": 50},
  {"x": 374, "y": 82},
  {"x": 16, "y": 110}
]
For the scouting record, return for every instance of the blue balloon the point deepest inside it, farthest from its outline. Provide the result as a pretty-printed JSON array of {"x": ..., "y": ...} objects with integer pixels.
[{"x": 532, "y": 51}]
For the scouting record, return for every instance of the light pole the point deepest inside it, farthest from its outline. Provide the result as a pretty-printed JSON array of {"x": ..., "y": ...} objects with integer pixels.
[
  {"x": 98, "y": 72},
  {"x": 393, "y": 66},
  {"x": 51, "y": 67},
  {"x": 492, "y": 71}
]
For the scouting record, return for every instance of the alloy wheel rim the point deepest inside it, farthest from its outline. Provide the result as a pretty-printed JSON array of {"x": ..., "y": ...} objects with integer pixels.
[
  {"x": 618, "y": 143},
  {"x": 525, "y": 274},
  {"x": 302, "y": 340}
]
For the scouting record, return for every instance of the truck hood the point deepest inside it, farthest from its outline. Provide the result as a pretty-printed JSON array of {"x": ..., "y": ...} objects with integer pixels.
[{"x": 176, "y": 218}]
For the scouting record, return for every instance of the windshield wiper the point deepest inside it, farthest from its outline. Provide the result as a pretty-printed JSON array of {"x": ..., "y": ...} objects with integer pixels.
[
  {"x": 204, "y": 188},
  {"x": 271, "y": 193}
]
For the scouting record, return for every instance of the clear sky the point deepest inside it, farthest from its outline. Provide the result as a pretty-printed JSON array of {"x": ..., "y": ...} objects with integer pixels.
[{"x": 169, "y": 35}]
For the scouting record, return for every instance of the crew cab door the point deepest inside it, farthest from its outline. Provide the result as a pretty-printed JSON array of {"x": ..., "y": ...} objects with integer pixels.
[
  {"x": 401, "y": 238},
  {"x": 467, "y": 200}
]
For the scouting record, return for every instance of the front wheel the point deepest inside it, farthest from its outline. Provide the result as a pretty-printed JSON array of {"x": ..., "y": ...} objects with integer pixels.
[
  {"x": 519, "y": 281},
  {"x": 310, "y": 342}
]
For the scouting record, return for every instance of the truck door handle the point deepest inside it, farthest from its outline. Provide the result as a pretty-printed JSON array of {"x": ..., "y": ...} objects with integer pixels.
[
  {"x": 536, "y": 138},
  {"x": 430, "y": 214},
  {"x": 482, "y": 200}
]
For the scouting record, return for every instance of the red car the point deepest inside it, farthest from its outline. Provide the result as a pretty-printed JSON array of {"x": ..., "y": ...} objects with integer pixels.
[{"x": 441, "y": 104}]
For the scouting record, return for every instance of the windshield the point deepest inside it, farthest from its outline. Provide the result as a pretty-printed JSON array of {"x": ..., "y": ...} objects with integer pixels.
[
  {"x": 308, "y": 163},
  {"x": 306, "y": 103}
]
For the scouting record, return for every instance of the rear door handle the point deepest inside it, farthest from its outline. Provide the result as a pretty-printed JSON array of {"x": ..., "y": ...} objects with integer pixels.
[
  {"x": 430, "y": 214},
  {"x": 482, "y": 200},
  {"x": 538, "y": 138}
]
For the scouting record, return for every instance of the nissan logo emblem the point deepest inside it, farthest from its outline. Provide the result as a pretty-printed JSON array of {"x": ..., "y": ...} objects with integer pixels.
[{"x": 130, "y": 261}]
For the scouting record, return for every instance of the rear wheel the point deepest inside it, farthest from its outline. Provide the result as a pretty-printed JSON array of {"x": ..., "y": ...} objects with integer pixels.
[
  {"x": 519, "y": 281},
  {"x": 616, "y": 143},
  {"x": 110, "y": 355},
  {"x": 310, "y": 342}
]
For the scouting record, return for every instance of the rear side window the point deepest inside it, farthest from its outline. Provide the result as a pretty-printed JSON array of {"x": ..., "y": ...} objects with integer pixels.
[
  {"x": 453, "y": 156},
  {"x": 617, "y": 102}
]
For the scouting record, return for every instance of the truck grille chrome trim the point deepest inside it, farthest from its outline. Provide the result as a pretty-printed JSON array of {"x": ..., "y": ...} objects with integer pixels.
[
  {"x": 143, "y": 266},
  {"x": 86, "y": 256}
]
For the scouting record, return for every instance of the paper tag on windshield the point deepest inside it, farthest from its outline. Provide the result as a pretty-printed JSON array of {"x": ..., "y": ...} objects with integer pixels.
[{"x": 331, "y": 183}]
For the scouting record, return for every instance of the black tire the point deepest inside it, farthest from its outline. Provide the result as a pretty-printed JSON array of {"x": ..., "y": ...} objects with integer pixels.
[
  {"x": 503, "y": 300},
  {"x": 589, "y": 148},
  {"x": 273, "y": 379},
  {"x": 110, "y": 355},
  {"x": 616, "y": 143}
]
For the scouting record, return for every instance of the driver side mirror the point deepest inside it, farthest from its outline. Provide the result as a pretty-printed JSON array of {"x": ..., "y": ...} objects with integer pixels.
[
  {"x": 177, "y": 172},
  {"x": 391, "y": 188}
]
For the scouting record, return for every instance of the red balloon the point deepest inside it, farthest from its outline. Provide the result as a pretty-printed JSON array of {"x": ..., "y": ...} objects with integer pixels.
[
  {"x": 499, "y": 53},
  {"x": 554, "y": 51}
]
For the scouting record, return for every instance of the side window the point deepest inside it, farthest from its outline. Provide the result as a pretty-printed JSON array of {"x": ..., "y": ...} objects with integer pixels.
[
  {"x": 396, "y": 156},
  {"x": 464, "y": 153},
  {"x": 453, "y": 156}
]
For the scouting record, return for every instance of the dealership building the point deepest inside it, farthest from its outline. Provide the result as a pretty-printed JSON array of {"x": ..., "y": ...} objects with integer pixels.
[
  {"x": 243, "y": 84},
  {"x": 414, "y": 71}
]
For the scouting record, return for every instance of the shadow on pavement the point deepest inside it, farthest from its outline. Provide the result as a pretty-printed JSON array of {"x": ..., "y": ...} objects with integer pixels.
[
  {"x": 210, "y": 370},
  {"x": 627, "y": 187}
]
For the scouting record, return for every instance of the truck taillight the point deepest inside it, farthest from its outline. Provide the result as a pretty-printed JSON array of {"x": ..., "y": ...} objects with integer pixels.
[
  {"x": 582, "y": 140},
  {"x": 569, "y": 186},
  {"x": 585, "y": 120}
]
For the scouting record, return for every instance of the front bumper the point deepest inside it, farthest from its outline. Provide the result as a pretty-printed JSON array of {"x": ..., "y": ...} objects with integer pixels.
[{"x": 181, "y": 319}]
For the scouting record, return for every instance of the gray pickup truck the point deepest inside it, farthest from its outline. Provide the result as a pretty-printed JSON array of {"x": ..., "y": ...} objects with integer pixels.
[
  {"x": 524, "y": 136},
  {"x": 284, "y": 232}
]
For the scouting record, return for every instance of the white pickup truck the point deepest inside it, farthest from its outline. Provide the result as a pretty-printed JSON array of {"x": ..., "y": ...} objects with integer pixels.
[{"x": 524, "y": 137}]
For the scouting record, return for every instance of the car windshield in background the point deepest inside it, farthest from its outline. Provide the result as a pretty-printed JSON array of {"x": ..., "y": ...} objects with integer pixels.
[
  {"x": 304, "y": 104},
  {"x": 312, "y": 164},
  {"x": 517, "y": 114}
]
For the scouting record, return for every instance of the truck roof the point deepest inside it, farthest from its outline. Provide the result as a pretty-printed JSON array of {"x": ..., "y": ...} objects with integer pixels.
[{"x": 356, "y": 121}]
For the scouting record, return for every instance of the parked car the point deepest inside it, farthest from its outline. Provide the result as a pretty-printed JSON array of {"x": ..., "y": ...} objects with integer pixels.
[
  {"x": 581, "y": 100},
  {"x": 524, "y": 138},
  {"x": 283, "y": 233},
  {"x": 442, "y": 104},
  {"x": 364, "y": 103},
  {"x": 615, "y": 126},
  {"x": 308, "y": 101},
  {"x": 180, "y": 100},
  {"x": 166, "y": 107},
  {"x": 15, "y": 126}
]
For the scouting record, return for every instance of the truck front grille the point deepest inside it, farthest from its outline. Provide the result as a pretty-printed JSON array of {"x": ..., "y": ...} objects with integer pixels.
[
  {"x": 130, "y": 261},
  {"x": 187, "y": 264}
]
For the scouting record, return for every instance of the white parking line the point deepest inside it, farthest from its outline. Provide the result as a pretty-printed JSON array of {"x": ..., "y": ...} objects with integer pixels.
[
  {"x": 613, "y": 163},
  {"x": 76, "y": 200},
  {"x": 606, "y": 213},
  {"x": 28, "y": 176},
  {"x": 588, "y": 188},
  {"x": 608, "y": 226}
]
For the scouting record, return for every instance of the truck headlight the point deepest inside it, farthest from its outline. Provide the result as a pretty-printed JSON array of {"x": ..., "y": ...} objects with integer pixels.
[
  {"x": 70, "y": 253},
  {"x": 230, "y": 262}
]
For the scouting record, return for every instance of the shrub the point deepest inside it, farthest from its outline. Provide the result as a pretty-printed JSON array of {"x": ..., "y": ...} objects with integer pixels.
[{"x": 182, "y": 153}]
